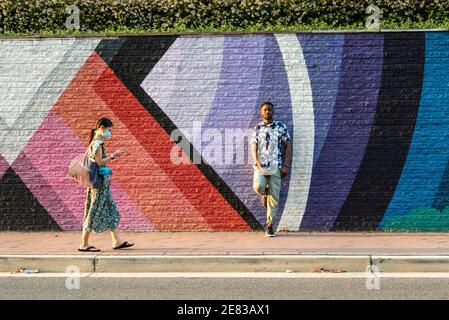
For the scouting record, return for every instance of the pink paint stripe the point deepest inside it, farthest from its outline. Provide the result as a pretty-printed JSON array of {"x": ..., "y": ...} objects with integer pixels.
[
  {"x": 3, "y": 166},
  {"x": 50, "y": 150},
  {"x": 131, "y": 218}
]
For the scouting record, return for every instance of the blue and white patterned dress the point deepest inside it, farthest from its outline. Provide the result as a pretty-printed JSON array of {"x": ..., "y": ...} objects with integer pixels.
[{"x": 100, "y": 211}]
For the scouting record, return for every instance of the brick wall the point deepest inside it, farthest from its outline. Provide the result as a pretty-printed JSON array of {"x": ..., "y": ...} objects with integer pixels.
[{"x": 368, "y": 115}]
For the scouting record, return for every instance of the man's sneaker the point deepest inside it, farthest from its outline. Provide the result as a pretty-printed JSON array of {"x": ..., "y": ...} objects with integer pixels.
[{"x": 270, "y": 232}]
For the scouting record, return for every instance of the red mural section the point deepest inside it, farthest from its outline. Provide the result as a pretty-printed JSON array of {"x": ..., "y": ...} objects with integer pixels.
[{"x": 170, "y": 196}]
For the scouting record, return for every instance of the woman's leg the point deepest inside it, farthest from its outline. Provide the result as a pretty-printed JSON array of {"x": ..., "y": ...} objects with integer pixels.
[
  {"x": 116, "y": 243},
  {"x": 85, "y": 239},
  {"x": 115, "y": 238}
]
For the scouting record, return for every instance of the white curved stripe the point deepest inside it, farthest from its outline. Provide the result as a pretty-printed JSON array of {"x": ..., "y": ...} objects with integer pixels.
[
  {"x": 184, "y": 81},
  {"x": 303, "y": 131}
]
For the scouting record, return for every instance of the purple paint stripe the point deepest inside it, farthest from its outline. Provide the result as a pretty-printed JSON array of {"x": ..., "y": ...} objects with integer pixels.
[
  {"x": 345, "y": 144},
  {"x": 236, "y": 97},
  {"x": 275, "y": 88},
  {"x": 253, "y": 72},
  {"x": 323, "y": 56},
  {"x": 235, "y": 106}
]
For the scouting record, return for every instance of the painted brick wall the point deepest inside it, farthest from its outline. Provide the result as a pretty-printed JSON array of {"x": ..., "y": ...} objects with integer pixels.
[{"x": 368, "y": 114}]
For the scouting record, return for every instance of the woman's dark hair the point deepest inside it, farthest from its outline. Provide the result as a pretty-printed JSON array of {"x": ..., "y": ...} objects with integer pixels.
[{"x": 105, "y": 122}]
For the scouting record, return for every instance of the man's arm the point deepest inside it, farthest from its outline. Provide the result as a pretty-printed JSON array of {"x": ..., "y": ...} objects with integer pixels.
[
  {"x": 253, "y": 142},
  {"x": 288, "y": 157}
]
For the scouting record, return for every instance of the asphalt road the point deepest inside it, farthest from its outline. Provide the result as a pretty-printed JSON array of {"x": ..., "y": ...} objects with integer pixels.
[{"x": 247, "y": 287}]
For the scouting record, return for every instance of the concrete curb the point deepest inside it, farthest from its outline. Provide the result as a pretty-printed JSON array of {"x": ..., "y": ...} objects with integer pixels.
[
  {"x": 47, "y": 263},
  {"x": 231, "y": 263},
  {"x": 244, "y": 263},
  {"x": 225, "y": 263},
  {"x": 410, "y": 263}
]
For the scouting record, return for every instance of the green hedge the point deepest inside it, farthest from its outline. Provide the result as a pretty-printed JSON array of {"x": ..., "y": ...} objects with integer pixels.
[{"x": 37, "y": 16}]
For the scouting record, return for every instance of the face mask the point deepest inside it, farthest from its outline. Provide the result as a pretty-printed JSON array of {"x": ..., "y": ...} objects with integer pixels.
[{"x": 106, "y": 134}]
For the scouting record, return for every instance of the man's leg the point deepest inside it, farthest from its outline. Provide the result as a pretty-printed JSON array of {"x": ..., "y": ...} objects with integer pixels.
[
  {"x": 259, "y": 183},
  {"x": 260, "y": 186},
  {"x": 274, "y": 190}
]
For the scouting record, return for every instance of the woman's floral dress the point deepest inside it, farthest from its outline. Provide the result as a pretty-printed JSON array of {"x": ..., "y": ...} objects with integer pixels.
[{"x": 100, "y": 211}]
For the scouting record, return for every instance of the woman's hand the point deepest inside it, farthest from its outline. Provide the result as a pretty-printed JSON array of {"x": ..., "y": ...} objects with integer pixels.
[{"x": 119, "y": 152}]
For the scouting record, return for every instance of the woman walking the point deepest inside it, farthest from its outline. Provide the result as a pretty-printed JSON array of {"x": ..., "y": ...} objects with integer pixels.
[{"x": 100, "y": 212}]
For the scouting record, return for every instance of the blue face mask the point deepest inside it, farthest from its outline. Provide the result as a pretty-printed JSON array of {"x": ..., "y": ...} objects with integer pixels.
[{"x": 106, "y": 134}]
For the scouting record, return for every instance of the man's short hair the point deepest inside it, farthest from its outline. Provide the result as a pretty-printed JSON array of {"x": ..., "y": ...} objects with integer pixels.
[{"x": 265, "y": 104}]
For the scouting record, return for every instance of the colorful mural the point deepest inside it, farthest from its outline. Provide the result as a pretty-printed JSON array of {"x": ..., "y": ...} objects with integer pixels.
[{"x": 368, "y": 114}]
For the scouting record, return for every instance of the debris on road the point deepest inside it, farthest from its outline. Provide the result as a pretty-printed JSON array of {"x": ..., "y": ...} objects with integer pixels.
[
  {"x": 322, "y": 270},
  {"x": 24, "y": 270}
]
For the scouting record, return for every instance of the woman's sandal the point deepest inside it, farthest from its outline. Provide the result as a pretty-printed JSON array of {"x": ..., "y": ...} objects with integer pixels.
[
  {"x": 125, "y": 244},
  {"x": 89, "y": 249}
]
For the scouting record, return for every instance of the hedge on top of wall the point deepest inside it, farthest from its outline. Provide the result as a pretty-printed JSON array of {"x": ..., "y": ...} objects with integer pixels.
[{"x": 30, "y": 16}]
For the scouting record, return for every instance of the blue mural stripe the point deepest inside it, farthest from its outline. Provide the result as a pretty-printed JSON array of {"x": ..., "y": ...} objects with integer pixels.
[
  {"x": 392, "y": 130},
  {"x": 425, "y": 177},
  {"x": 441, "y": 200}
]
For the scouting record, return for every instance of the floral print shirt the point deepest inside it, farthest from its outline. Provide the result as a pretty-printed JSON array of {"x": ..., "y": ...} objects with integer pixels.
[{"x": 270, "y": 139}]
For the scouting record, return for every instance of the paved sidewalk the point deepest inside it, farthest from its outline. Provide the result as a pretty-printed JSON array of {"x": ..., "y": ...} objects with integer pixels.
[
  {"x": 230, "y": 243},
  {"x": 228, "y": 252}
]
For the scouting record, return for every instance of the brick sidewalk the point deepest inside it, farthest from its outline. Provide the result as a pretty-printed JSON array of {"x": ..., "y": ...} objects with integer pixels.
[{"x": 227, "y": 243}]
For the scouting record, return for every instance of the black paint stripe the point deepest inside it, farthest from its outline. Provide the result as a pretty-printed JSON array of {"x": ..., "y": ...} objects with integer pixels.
[
  {"x": 132, "y": 63},
  {"x": 391, "y": 133},
  {"x": 19, "y": 209}
]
